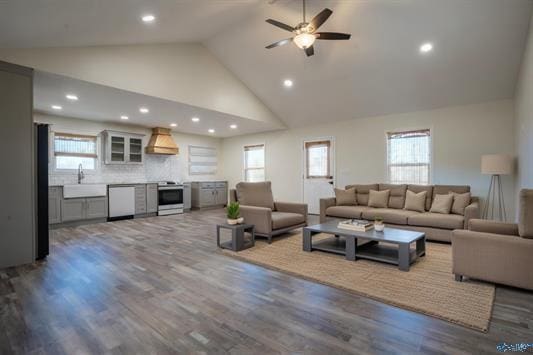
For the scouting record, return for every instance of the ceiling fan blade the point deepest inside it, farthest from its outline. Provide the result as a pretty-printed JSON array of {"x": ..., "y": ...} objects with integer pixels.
[
  {"x": 319, "y": 19},
  {"x": 279, "y": 43},
  {"x": 332, "y": 35},
  {"x": 309, "y": 51},
  {"x": 280, "y": 25}
]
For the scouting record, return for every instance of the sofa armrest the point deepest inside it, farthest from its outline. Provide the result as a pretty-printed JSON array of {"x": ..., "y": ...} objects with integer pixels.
[
  {"x": 260, "y": 217},
  {"x": 324, "y": 204},
  {"x": 494, "y": 227},
  {"x": 471, "y": 212},
  {"x": 493, "y": 257},
  {"x": 300, "y": 208}
]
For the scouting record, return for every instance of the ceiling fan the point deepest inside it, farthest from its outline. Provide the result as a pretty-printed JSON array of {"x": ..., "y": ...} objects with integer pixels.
[{"x": 306, "y": 32}]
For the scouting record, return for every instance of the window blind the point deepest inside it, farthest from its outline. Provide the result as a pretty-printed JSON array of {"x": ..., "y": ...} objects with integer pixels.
[
  {"x": 254, "y": 163},
  {"x": 409, "y": 157},
  {"x": 74, "y": 145},
  {"x": 202, "y": 160}
]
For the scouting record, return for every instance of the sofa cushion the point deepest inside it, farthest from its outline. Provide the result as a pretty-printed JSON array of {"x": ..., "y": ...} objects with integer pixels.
[
  {"x": 345, "y": 197},
  {"x": 397, "y": 194},
  {"x": 436, "y": 220},
  {"x": 346, "y": 211},
  {"x": 378, "y": 199},
  {"x": 442, "y": 204},
  {"x": 460, "y": 201},
  {"x": 420, "y": 188},
  {"x": 257, "y": 194},
  {"x": 362, "y": 192},
  {"x": 389, "y": 215},
  {"x": 415, "y": 201},
  {"x": 286, "y": 219},
  {"x": 446, "y": 189}
]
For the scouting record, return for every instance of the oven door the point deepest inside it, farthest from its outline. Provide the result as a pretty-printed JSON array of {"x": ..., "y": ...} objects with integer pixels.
[{"x": 170, "y": 197}]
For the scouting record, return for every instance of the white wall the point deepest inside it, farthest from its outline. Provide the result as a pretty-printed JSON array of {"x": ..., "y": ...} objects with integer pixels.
[
  {"x": 186, "y": 73},
  {"x": 155, "y": 167},
  {"x": 461, "y": 135},
  {"x": 524, "y": 117}
]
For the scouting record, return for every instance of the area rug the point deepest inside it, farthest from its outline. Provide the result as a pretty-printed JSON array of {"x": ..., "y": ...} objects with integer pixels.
[{"x": 428, "y": 288}]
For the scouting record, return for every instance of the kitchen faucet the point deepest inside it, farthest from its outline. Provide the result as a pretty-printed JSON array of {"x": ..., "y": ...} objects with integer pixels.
[{"x": 81, "y": 175}]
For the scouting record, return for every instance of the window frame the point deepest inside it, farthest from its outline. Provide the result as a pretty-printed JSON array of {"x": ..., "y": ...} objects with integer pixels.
[
  {"x": 409, "y": 130},
  {"x": 308, "y": 144},
  {"x": 53, "y": 153},
  {"x": 245, "y": 169}
]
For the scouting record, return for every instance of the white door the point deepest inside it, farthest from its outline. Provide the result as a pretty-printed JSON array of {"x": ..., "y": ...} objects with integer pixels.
[{"x": 319, "y": 168}]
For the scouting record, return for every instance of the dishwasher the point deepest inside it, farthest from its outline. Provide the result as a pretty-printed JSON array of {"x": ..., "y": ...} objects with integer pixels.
[{"x": 121, "y": 202}]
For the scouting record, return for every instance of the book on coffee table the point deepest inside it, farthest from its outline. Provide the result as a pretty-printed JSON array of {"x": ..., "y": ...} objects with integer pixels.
[{"x": 359, "y": 225}]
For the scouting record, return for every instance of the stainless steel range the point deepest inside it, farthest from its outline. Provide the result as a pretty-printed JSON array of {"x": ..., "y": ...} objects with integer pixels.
[{"x": 170, "y": 196}]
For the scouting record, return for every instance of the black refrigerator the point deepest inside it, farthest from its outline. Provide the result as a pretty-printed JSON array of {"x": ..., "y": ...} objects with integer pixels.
[{"x": 41, "y": 169}]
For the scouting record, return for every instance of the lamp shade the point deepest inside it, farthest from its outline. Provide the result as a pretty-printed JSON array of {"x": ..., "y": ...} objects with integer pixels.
[{"x": 497, "y": 164}]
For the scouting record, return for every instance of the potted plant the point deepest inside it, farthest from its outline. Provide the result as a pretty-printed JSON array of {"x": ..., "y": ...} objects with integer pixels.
[
  {"x": 379, "y": 226},
  {"x": 233, "y": 213}
]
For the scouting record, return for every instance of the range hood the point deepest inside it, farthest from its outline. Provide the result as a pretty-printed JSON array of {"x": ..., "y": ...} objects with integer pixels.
[{"x": 162, "y": 142}]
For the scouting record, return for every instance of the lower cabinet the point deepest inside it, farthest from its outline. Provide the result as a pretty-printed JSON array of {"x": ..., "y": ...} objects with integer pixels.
[
  {"x": 151, "y": 198},
  {"x": 140, "y": 199},
  {"x": 209, "y": 194},
  {"x": 55, "y": 194},
  {"x": 77, "y": 209}
]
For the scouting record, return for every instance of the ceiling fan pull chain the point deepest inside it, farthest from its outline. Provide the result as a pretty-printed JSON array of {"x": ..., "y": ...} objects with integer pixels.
[{"x": 304, "y": 9}]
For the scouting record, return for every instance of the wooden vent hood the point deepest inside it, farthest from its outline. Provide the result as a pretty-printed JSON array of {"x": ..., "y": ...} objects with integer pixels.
[{"x": 162, "y": 142}]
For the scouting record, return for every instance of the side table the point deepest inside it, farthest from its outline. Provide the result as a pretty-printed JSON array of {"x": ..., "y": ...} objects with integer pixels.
[{"x": 237, "y": 242}]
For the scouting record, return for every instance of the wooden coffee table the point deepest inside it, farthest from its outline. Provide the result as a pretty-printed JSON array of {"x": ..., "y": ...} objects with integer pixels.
[{"x": 392, "y": 246}]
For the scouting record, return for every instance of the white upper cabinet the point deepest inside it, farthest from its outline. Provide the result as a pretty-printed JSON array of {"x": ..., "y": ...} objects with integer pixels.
[{"x": 123, "y": 148}]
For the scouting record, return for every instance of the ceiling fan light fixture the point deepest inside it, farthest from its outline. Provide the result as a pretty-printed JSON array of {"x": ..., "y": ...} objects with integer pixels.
[{"x": 304, "y": 40}]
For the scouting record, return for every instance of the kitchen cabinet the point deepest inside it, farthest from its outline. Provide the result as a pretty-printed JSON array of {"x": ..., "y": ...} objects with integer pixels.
[
  {"x": 78, "y": 209},
  {"x": 123, "y": 148},
  {"x": 151, "y": 198},
  {"x": 140, "y": 199},
  {"x": 55, "y": 194},
  {"x": 187, "y": 196},
  {"x": 209, "y": 194}
]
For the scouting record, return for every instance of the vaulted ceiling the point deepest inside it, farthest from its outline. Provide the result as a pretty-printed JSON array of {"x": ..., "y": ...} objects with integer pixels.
[{"x": 478, "y": 46}]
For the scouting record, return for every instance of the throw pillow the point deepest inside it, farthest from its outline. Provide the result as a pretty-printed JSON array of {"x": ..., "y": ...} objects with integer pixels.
[
  {"x": 460, "y": 201},
  {"x": 442, "y": 204},
  {"x": 345, "y": 197},
  {"x": 415, "y": 201},
  {"x": 379, "y": 199}
]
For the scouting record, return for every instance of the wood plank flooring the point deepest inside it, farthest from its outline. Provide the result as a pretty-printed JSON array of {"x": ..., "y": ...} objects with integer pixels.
[{"x": 160, "y": 286}]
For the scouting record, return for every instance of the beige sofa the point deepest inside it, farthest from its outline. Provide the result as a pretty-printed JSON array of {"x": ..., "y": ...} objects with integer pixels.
[
  {"x": 437, "y": 226},
  {"x": 271, "y": 218},
  {"x": 497, "y": 252}
]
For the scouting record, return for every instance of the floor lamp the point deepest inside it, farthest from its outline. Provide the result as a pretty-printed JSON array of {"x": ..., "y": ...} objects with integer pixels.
[{"x": 495, "y": 165}]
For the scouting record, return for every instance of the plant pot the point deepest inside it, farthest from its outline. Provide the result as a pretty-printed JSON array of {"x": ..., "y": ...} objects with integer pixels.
[
  {"x": 232, "y": 221},
  {"x": 379, "y": 227},
  {"x": 240, "y": 220}
]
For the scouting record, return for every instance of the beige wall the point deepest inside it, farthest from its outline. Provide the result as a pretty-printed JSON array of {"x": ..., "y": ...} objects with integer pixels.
[
  {"x": 460, "y": 136},
  {"x": 524, "y": 117},
  {"x": 186, "y": 73}
]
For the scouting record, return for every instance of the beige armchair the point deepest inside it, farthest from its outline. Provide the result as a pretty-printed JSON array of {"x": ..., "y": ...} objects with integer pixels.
[
  {"x": 269, "y": 217},
  {"x": 497, "y": 252}
]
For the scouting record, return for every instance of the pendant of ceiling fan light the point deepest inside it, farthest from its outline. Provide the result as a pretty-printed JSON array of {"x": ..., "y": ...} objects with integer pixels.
[{"x": 304, "y": 40}]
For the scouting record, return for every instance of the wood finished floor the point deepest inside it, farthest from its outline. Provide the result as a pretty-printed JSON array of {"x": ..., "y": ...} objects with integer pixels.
[{"x": 159, "y": 285}]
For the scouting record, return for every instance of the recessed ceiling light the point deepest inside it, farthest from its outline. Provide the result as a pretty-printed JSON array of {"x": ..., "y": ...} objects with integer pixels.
[
  {"x": 173, "y": 125},
  {"x": 233, "y": 126},
  {"x": 288, "y": 83},
  {"x": 144, "y": 110},
  {"x": 71, "y": 97},
  {"x": 426, "y": 47},
  {"x": 195, "y": 119},
  {"x": 124, "y": 117},
  {"x": 57, "y": 107},
  {"x": 148, "y": 18},
  {"x": 211, "y": 130}
]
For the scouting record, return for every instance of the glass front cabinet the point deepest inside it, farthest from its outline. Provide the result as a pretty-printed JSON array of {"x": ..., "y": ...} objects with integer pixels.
[{"x": 123, "y": 148}]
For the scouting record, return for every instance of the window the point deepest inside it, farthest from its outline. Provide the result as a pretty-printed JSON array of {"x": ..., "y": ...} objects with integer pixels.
[
  {"x": 254, "y": 163},
  {"x": 202, "y": 160},
  {"x": 409, "y": 157},
  {"x": 317, "y": 155},
  {"x": 71, "y": 150}
]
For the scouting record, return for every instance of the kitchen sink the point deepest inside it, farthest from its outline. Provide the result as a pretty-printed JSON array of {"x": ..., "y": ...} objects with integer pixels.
[{"x": 84, "y": 190}]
